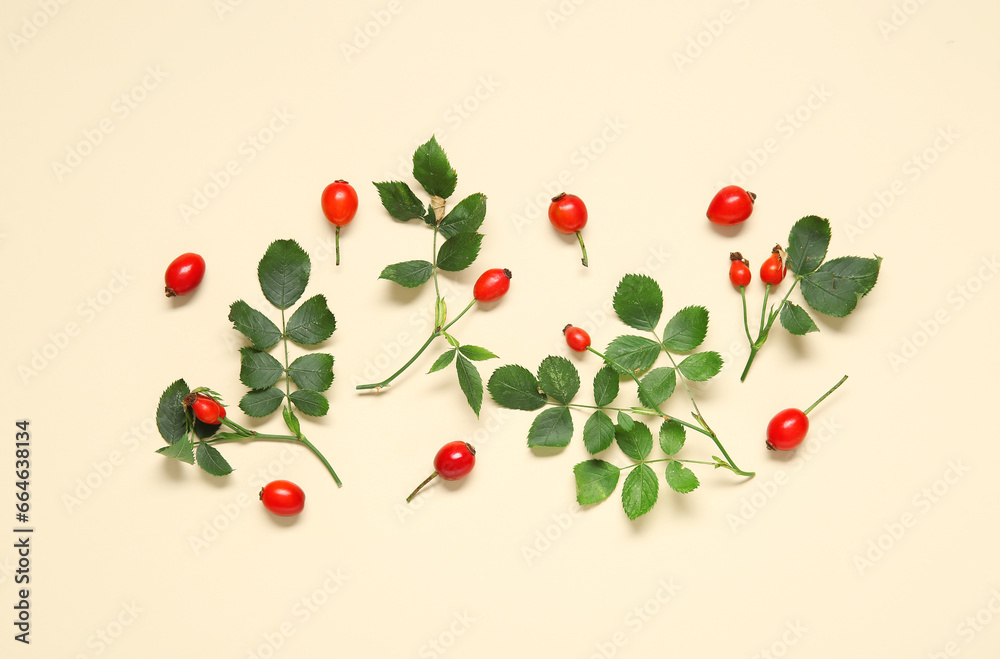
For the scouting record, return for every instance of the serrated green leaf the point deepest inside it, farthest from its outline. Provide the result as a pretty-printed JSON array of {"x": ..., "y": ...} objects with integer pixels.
[
  {"x": 313, "y": 371},
  {"x": 633, "y": 353},
  {"x": 680, "y": 478},
  {"x": 598, "y": 432},
  {"x": 476, "y": 354},
  {"x": 625, "y": 422},
  {"x": 606, "y": 385},
  {"x": 432, "y": 169},
  {"x": 171, "y": 416},
  {"x": 180, "y": 449},
  {"x": 399, "y": 200},
  {"x": 211, "y": 460},
  {"x": 312, "y": 323},
  {"x": 796, "y": 320},
  {"x": 553, "y": 428},
  {"x": 258, "y": 369},
  {"x": 459, "y": 252},
  {"x": 430, "y": 219},
  {"x": 686, "y": 330},
  {"x": 701, "y": 366},
  {"x": 671, "y": 437},
  {"x": 254, "y": 325},
  {"x": 408, "y": 273},
  {"x": 638, "y": 301},
  {"x": 657, "y": 386},
  {"x": 283, "y": 273},
  {"x": 807, "y": 244},
  {"x": 310, "y": 402},
  {"x": 558, "y": 378},
  {"x": 466, "y": 217},
  {"x": 444, "y": 360},
  {"x": 635, "y": 441},
  {"x": 261, "y": 402},
  {"x": 640, "y": 491},
  {"x": 836, "y": 287},
  {"x": 515, "y": 388},
  {"x": 595, "y": 481},
  {"x": 204, "y": 430},
  {"x": 471, "y": 382}
]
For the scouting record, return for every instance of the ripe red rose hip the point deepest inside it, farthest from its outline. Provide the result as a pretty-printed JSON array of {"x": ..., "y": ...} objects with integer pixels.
[
  {"x": 283, "y": 498},
  {"x": 207, "y": 410},
  {"x": 731, "y": 205},
  {"x": 184, "y": 274},
  {"x": 568, "y": 215},
  {"x": 492, "y": 285},
  {"x": 576, "y": 338},
  {"x": 739, "y": 270},
  {"x": 772, "y": 270},
  {"x": 453, "y": 461},
  {"x": 339, "y": 202},
  {"x": 787, "y": 429}
]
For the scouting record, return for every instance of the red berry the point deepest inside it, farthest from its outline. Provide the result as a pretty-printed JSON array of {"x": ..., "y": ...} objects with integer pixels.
[
  {"x": 731, "y": 205},
  {"x": 184, "y": 274},
  {"x": 773, "y": 269},
  {"x": 576, "y": 338},
  {"x": 207, "y": 410},
  {"x": 739, "y": 270},
  {"x": 339, "y": 202},
  {"x": 787, "y": 429},
  {"x": 568, "y": 214},
  {"x": 455, "y": 460},
  {"x": 283, "y": 498},
  {"x": 492, "y": 285}
]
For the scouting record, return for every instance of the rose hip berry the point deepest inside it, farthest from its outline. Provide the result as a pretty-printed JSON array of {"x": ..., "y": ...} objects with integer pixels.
[
  {"x": 339, "y": 202},
  {"x": 492, "y": 285},
  {"x": 453, "y": 461},
  {"x": 773, "y": 269},
  {"x": 788, "y": 428},
  {"x": 568, "y": 215},
  {"x": 184, "y": 274},
  {"x": 576, "y": 338},
  {"x": 207, "y": 410},
  {"x": 730, "y": 205},
  {"x": 283, "y": 498},
  {"x": 739, "y": 270}
]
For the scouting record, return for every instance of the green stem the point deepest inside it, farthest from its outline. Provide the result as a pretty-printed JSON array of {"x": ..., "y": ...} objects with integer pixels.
[
  {"x": 421, "y": 486},
  {"x": 322, "y": 458},
  {"x": 385, "y": 382},
  {"x": 462, "y": 313},
  {"x": 763, "y": 310},
  {"x": 336, "y": 242},
  {"x": 697, "y": 462},
  {"x": 579, "y": 236},
  {"x": 746, "y": 323},
  {"x": 765, "y": 325},
  {"x": 823, "y": 397},
  {"x": 253, "y": 435},
  {"x": 694, "y": 403}
]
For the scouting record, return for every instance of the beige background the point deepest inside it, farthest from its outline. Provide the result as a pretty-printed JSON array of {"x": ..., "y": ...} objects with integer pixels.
[{"x": 641, "y": 108}]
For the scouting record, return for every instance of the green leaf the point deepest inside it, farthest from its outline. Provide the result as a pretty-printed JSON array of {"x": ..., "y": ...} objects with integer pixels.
[
  {"x": 459, "y": 252},
  {"x": 634, "y": 439},
  {"x": 558, "y": 378},
  {"x": 261, "y": 402},
  {"x": 430, "y": 219},
  {"x": 477, "y": 354},
  {"x": 633, "y": 353},
  {"x": 598, "y": 432},
  {"x": 408, "y": 273},
  {"x": 701, "y": 366},
  {"x": 686, "y": 330},
  {"x": 313, "y": 371},
  {"x": 399, "y": 200},
  {"x": 680, "y": 478},
  {"x": 515, "y": 388},
  {"x": 595, "y": 481},
  {"x": 211, "y": 460},
  {"x": 671, "y": 437},
  {"x": 638, "y": 302},
  {"x": 283, "y": 273},
  {"x": 204, "y": 430},
  {"x": 259, "y": 370},
  {"x": 310, "y": 402},
  {"x": 553, "y": 427},
  {"x": 254, "y": 325},
  {"x": 471, "y": 383},
  {"x": 659, "y": 385},
  {"x": 180, "y": 449},
  {"x": 444, "y": 360},
  {"x": 466, "y": 217},
  {"x": 432, "y": 169},
  {"x": 796, "y": 320},
  {"x": 837, "y": 286},
  {"x": 171, "y": 417},
  {"x": 807, "y": 244},
  {"x": 312, "y": 323},
  {"x": 606, "y": 384},
  {"x": 291, "y": 420},
  {"x": 640, "y": 491}
]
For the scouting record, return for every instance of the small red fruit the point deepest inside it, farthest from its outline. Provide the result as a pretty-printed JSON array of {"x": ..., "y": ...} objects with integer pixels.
[
  {"x": 787, "y": 429},
  {"x": 568, "y": 215},
  {"x": 731, "y": 205},
  {"x": 283, "y": 498},
  {"x": 184, "y": 274},
  {"x": 207, "y": 410},
  {"x": 773, "y": 269},
  {"x": 492, "y": 285},
  {"x": 339, "y": 202},
  {"x": 453, "y": 461},
  {"x": 576, "y": 338},
  {"x": 739, "y": 270}
]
